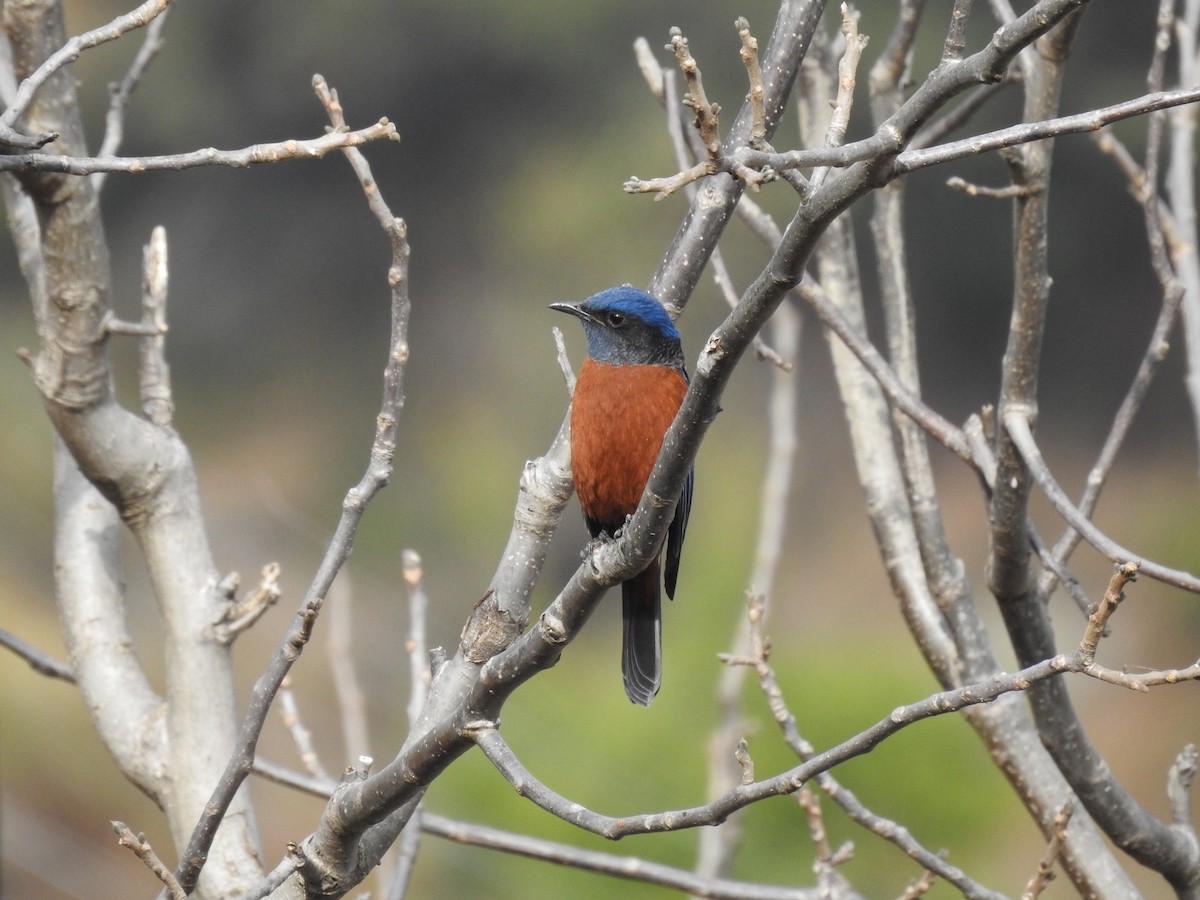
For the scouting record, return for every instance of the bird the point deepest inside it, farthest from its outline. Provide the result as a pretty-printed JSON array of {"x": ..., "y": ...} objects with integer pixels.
[{"x": 628, "y": 393}]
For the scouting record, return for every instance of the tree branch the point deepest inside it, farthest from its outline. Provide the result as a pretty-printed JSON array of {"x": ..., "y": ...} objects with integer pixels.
[
  {"x": 313, "y": 148},
  {"x": 69, "y": 51},
  {"x": 142, "y": 850},
  {"x": 40, "y": 662},
  {"x": 1016, "y": 424},
  {"x": 374, "y": 479},
  {"x": 114, "y": 121}
]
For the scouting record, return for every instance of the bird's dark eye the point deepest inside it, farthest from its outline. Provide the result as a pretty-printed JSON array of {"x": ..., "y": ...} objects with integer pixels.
[{"x": 614, "y": 318}]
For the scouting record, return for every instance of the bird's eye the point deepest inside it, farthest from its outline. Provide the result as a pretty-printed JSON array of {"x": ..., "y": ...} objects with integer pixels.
[{"x": 615, "y": 319}]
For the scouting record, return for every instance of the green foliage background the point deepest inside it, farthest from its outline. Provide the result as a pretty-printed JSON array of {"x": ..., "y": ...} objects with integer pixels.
[{"x": 520, "y": 120}]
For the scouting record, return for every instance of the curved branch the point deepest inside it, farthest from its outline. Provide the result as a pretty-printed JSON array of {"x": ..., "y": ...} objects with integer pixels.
[
  {"x": 787, "y": 782},
  {"x": 1017, "y": 425}
]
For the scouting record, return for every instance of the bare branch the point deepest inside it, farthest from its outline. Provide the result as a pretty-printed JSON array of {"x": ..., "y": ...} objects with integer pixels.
[
  {"x": 301, "y": 735},
  {"x": 377, "y": 475},
  {"x": 649, "y": 67},
  {"x": 313, "y": 148},
  {"x": 1098, "y": 620},
  {"x": 239, "y": 617},
  {"x": 1017, "y": 426},
  {"x": 1179, "y": 788},
  {"x": 154, "y": 375},
  {"x": 351, "y": 702},
  {"x": 266, "y": 687},
  {"x": 1008, "y": 192},
  {"x": 70, "y": 51},
  {"x": 944, "y": 432},
  {"x": 709, "y": 212},
  {"x": 956, "y": 34},
  {"x": 747, "y": 159},
  {"x": 887, "y": 829},
  {"x": 631, "y": 867},
  {"x": 278, "y": 876},
  {"x": 696, "y": 99},
  {"x": 1093, "y": 120},
  {"x": 491, "y": 838},
  {"x": 839, "y": 121},
  {"x": 114, "y": 122},
  {"x": 1182, "y": 271},
  {"x": 489, "y": 740},
  {"x": 664, "y": 187},
  {"x": 717, "y": 845},
  {"x": 142, "y": 850},
  {"x": 564, "y": 362},
  {"x": 40, "y": 662},
  {"x": 419, "y": 674},
  {"x": 1045, "y": 871},
  {"x": 683, "y": 155},
  {"x": 955, "y": 118},
  {"x": 749, "y": 54}
]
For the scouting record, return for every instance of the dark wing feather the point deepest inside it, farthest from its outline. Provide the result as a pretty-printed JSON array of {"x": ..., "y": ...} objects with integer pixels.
[
  {"x": 678, "y": 527},
  {"x": 675, "y": 535}
]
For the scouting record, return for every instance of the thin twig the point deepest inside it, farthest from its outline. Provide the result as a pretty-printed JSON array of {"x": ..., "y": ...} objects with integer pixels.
[
  {"x": 749, "y": 54},
  {"x": 696, "y": 99},
  {"x": 40, "y": 662},
  {"x": 1045, "y": 871},
  {"x": 943, "y": 126},
  {"x": 142, "y": 850},
  {"x": 684, "y": 151},
  {"x": 1017, "y": 426},
  {"x": 70, "y": 52},
  {"x": 376, "y": 476},
  {"x": 1184, "y": 264},
  {"x": 351, "y": 699},
  {"x": 1098, "y": 620},
  {"x": 748, "y": 159},
  {"x": 500, "y": 754},
  {"x": 419, "y": 674},
  {"x": 487, "y": 837},
  {"x": 276, "y": 877},
  {"x": 839, "y": 121},
  {"x": 313, "y": 148},
  {"x": 1093, "y": 120},
  {"x": 939, "y": 428},
  {"x": 114, "y": 122},
  {"x": 237, "y": 618},
  {"x": 301, "y": 735},
  {"x": 564, "y": 361},
  {"x": 887, "y": 829},
  {"x": 383, "y": 449}
]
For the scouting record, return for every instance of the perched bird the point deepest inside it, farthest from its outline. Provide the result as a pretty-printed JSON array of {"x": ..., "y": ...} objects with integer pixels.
[{"x": 628, "y": 392}]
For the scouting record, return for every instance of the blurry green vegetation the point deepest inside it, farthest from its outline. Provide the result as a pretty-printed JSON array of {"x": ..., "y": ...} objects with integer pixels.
[{"x": 520, "y": 121}]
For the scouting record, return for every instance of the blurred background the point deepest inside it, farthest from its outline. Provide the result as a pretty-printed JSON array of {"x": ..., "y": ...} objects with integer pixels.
[{"x": 520, "y": 120}]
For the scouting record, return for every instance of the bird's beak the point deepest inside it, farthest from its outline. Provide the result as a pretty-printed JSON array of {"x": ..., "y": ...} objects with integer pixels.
[{"x": 575, "y": 310}]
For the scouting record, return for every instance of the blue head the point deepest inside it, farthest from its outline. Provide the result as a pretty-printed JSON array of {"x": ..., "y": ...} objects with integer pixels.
[{"x": 625, "y": 326}]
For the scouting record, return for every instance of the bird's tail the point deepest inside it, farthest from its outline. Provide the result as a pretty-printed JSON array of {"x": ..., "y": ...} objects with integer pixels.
[{"x": 641, "y": 651}]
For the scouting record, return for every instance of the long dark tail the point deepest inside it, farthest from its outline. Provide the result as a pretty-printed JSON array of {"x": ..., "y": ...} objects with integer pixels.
[{"x": 641, "y": 651}]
